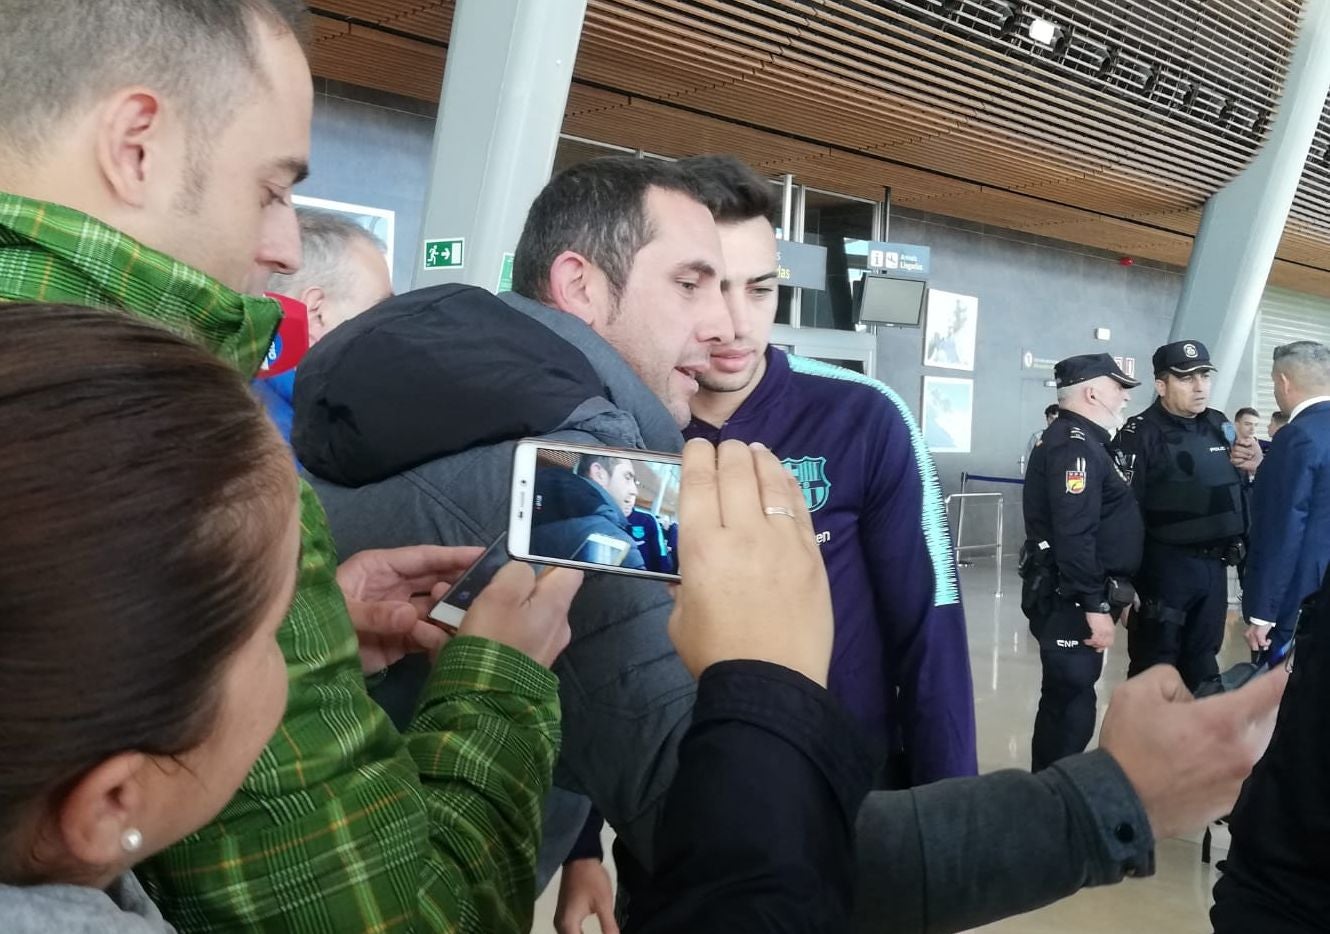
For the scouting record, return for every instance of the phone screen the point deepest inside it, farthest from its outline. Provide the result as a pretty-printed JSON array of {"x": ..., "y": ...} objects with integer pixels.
[
  {"x": 599, "y": 508},
  {"x": 451, "y": 609}
]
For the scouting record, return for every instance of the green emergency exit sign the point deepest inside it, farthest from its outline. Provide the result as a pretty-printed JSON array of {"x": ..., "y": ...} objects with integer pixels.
[{"x": 444, "y": 254}]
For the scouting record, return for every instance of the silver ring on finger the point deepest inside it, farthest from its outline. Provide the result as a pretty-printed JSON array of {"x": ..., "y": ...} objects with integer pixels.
[{"x": 778, "y": 511}]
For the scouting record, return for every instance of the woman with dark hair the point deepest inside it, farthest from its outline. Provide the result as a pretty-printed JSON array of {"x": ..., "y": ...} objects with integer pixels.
[
  {"x": 148, "y": 551},
  {"x": 149, "y": 544}
]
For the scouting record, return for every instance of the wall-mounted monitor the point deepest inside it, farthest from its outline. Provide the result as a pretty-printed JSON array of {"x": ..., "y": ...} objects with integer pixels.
[{"x": 886, "y": 300}]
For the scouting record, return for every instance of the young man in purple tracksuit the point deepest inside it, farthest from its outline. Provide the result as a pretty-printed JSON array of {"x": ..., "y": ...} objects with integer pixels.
[{"x": 900, "y": 662}]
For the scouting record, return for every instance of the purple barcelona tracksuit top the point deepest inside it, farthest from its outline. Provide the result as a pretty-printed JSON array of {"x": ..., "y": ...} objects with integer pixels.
[{"x": 900, "y": 662}]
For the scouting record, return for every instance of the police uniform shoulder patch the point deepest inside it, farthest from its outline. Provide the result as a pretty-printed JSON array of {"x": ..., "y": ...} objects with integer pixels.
[
  {"x": 1076, "y": 477},
  {"x": 1077, "y": 434}
]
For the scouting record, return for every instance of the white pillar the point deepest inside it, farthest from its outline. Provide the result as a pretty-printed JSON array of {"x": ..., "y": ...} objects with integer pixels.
[
  {"x": 505, "y": 89},
  {"x": 1243, "y": 223}
]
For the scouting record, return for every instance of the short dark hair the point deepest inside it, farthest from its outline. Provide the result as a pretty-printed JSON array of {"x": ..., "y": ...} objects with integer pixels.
[
  {"x": 606, "y": 462},
  {"x": 139, "y": 466},
  {"x": 56, "y": 54},
  {"x": 732, "y": 191},
  {"x": 1279, "y": 416},
  {"x": 1246, "y": 410},
  {"x": 598, "y": 209},
  {"x": 1051, "y": 410}
]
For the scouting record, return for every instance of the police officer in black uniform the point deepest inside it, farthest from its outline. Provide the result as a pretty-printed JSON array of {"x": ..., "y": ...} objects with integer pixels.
[
  {"x": 1084, "y": 535},
  {"x": 1178, "y": 455}
]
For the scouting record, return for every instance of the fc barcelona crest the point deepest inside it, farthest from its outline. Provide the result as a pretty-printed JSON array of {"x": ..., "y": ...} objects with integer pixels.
[
  {"x": 1075, "y": 481},
  {"x": 811, "y": 472}
]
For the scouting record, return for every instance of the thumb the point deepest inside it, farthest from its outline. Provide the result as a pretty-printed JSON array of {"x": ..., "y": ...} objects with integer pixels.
[{"x": 1258, "y": 698}]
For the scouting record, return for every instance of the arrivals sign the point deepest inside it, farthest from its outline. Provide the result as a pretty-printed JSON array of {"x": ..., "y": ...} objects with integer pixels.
[
  {"x": 801, "y": 265},
  {"x": 901, "y": 260}
]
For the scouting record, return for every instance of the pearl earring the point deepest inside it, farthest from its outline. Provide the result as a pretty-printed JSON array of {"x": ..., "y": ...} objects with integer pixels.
[{"x": 131, "y": 841}]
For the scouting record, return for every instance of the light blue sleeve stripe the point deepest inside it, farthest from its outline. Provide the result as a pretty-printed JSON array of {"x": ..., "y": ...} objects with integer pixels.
[{"x": 936, "y": 532}]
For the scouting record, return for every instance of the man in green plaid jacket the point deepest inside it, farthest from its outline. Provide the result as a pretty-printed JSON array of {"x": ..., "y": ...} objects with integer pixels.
[{"x": 147, "y": 154}]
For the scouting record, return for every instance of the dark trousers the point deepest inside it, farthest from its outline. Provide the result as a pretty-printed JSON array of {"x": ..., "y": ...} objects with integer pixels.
[
  {"x": 1065, "y": 720},
  {"x": 1188, "y": 629}
]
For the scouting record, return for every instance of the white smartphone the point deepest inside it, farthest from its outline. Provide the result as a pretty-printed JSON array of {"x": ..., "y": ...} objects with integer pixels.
[
  {"x": 595, "y": 508},
  {"x": 451, "y": 609}
]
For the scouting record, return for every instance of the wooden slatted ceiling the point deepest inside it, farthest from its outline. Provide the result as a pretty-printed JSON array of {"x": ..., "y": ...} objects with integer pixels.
[
  {"x": 790, "y": 92},
  {"x": 885, "y": 77},
  {"x": 1312, "y": 204}
]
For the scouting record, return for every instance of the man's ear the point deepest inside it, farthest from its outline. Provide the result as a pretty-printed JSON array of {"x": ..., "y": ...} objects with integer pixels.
[
  {"x": 577, "y": 286},
  {"x": 128, "y": 133},
  {"x": 313, "y": 298}
]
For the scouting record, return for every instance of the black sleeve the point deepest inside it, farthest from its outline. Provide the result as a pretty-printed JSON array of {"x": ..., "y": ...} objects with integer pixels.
[
  {"x": 965, "y": 852},
  {"x": 1074, "y": 480},
  {"x": 587, "y": 845},
  {"x": 757, "y": 829}
]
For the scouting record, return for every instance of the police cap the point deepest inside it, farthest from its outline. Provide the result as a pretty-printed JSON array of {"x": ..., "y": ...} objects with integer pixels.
[
  {"x": 1087, "y": 366},
  {"x": 1181, "y": 358}
]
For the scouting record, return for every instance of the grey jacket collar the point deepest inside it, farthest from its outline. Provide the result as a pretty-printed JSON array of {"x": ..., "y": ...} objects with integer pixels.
[
  {"x": 625, "y": 389},
  {"x": 124, "y": 908}
]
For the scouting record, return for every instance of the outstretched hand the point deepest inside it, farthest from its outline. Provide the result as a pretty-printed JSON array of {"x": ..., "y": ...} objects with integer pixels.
[
  {"x": 753, "y": 583},
  {"x": 389, "y": 593}
]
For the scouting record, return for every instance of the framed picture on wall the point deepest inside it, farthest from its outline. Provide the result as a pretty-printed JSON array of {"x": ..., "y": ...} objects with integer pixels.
[
  {"x": 946, "y": 413},
  {"x": 378, "y": 221},
  {"x": 949, "y": 334}
]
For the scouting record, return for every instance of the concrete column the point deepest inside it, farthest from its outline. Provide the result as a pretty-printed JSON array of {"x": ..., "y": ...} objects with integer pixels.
[
  {"x": 1242, "y": 224},
  {"x": 505, "y": 89}
]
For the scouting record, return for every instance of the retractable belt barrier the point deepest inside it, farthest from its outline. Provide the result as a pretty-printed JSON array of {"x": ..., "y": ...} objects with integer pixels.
[{"x": 986, "y": 498}]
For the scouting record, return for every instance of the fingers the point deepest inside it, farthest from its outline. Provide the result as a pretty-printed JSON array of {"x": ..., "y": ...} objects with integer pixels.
[
  {"x": 383, "y": 618},
  {"x": 513, "y": 585},
  {"x": 559, "y": 586},
  {"x": 433, "y": 561},
  {"x": 1166, "y": 680},
  {"x": 606, "y": 915},
  {"x": 699, "y": 492},
  {"x": 778, "y": 488},
  {"x": 1258, "y": 637},
  {"x": 1255, "y": 701},
  {"x": 429, "y": 638},
  {"x": 423, "y": 604},
  {"x": 740, "y": 499}
]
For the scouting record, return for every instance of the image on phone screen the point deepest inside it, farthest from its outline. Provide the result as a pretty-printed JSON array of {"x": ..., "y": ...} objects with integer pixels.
[
  {"x": 451, "y": 609},
  {"x": 597, "y": 508}
]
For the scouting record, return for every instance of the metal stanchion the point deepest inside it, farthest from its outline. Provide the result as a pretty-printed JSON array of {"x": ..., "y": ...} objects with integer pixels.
[{"x": 961, "y": 499}]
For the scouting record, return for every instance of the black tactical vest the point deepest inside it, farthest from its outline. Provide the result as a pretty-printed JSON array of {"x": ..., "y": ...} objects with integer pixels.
[{"x": 1198, "y": 500}]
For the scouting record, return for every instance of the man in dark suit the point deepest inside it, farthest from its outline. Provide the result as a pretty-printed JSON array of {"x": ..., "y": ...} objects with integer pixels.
[
  {"x": 1290, "y": 531},
  {"x": 1277, "y": 876}
]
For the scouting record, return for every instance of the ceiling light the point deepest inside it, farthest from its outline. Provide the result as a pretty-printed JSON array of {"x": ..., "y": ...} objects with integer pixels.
[{"x": 1043, "y": 31}]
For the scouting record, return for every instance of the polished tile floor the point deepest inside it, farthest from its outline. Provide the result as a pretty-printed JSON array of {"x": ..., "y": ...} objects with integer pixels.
[{"x": 1005, "y": 664}]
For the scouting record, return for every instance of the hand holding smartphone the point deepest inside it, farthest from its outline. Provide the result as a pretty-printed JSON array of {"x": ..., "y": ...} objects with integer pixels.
[
  {"x": 505, "y": 602},
  {"x": 451, "y": 608}
]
